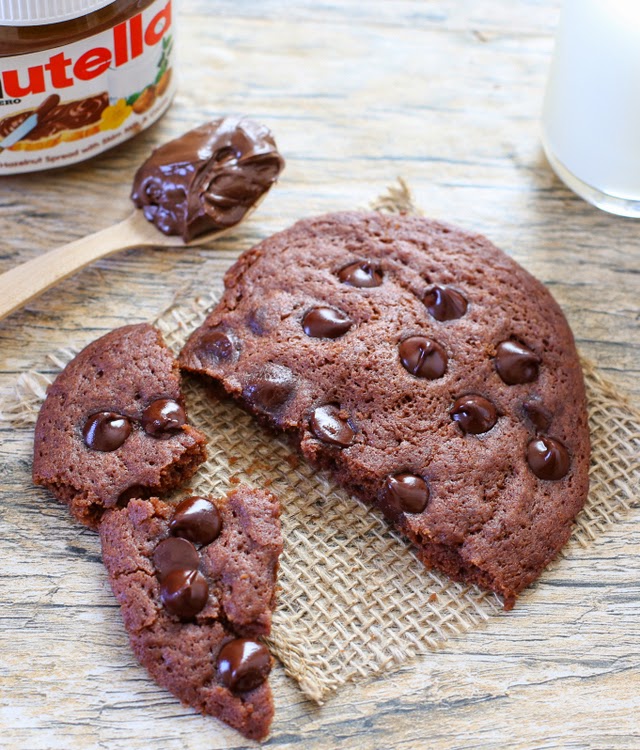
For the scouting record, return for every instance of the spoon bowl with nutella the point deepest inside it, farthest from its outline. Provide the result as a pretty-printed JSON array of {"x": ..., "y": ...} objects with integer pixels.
[{"x": 188, "y": 192}]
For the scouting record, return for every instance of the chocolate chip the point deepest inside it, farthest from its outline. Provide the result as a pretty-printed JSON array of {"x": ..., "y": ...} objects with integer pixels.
[
  {"x": 270, "y": 388},
  {"x": 196, "y": 519},
  {"x": 328, "y": 425},
  {"x": 516, "y": 363},
  {"x": 106, "y": 431},
  {"x": 423, "y": 358},
  {"x": 360, "y": 274},
  {"x": 548, "y": 458},
  {"x": 474, "y": 414},
  {"x": 404, "y": 493},
  {"x": 175, "y": 554},
  {"x": 184, "y": 593},
  {"x": 445, "y": 303},
  {"x": 258, "y": 321},
  {"x": 216, "y": 345},
  {"x": 243, "y": 664},
  {"x": 162, "y": 416},
  {"x": 535, "y": 412},
  {"x": 325, "y": 323}
]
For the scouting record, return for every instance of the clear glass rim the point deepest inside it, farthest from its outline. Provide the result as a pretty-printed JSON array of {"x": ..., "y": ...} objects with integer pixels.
[{"x": 612, "y": 204}]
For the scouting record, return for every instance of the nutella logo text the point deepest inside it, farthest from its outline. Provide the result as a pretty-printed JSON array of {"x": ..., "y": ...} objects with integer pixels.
[{"x": 129, "y": 41}]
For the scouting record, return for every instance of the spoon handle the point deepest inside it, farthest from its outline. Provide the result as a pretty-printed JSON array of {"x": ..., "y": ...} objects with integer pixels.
[{"x": 26, "y": 281}]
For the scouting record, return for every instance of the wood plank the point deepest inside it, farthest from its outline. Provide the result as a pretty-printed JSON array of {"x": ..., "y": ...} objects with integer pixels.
[{"x": 447, "y": 95}]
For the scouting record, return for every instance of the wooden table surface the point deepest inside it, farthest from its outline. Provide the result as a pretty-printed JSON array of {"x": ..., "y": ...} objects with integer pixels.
[{"x": 448, "y": 95}]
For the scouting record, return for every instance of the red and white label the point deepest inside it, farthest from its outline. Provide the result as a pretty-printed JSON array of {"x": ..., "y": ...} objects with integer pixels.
[{"x": 106, "y": 88}]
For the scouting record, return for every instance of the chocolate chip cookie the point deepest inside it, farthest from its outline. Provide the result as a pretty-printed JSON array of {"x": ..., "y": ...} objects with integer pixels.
[
  {"x": 435, "y": 377},
  {"x": 113, "y": 425},
  {"x": 196, "y": 584}
]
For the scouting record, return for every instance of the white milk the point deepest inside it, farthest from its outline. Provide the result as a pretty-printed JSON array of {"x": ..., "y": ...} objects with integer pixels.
[{"x": 591, "y": 119}]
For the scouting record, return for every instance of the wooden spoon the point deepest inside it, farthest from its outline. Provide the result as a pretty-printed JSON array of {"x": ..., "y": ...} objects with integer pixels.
[{"x": 28, "y": 280}]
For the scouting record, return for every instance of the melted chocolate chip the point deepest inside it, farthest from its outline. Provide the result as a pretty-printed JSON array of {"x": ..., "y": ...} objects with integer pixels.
[
  {"x": 474, "y": 414},
  {"x": 404, "y": 493},
  {"x": 196, "y": 519},
  {"x": 258, "y": 321},
  {"x": 516, "y": 363},
  {"x": 328, "y": 425},
  {"x": 325, "y": 323},
  {"x": 106, "y": 431},
  {"x": 162, "y": 416},
  {"x": 548, "y": 458},
  {"x": 535, "y": 412},
  {"x": 423, "y": 358},
  {"x": 175, "y": 554},
  {"x": 360, "y": 274},
  {"x": 445, "y": 303},
  {"x": 243, "y": 664},
  {"x": 270, "y": 388},
  {"x": 184, "y": 593},
  {"x": 216, "y": 345}
]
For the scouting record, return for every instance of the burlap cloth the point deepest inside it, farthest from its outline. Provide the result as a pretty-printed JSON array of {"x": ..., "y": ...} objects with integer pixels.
[{"x": 353, "y": 598}]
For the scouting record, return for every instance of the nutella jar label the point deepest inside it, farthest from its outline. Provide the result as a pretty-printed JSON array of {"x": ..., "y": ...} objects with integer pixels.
[{"x": 67, "y": 104}]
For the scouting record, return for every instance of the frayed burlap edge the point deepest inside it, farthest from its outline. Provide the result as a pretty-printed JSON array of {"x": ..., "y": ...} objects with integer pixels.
[{"x": 354, "y": 600}]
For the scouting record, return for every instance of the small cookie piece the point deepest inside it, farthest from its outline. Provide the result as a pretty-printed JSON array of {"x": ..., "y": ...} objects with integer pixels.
[
  {"x": 196, "y": 585},
  {"x": 113, "y": 425},
  {"x": 430, "y": 373}
]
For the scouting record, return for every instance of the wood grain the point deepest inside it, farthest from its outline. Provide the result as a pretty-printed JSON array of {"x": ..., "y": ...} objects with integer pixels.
[{"x": 448, "y": 95}]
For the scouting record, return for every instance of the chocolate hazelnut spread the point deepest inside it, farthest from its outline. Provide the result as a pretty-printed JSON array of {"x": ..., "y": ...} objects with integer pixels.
[
  {"x": 67, "y": 116},
  {"x": 108, "y": 62},
  {"x": 209, "y": 178}
]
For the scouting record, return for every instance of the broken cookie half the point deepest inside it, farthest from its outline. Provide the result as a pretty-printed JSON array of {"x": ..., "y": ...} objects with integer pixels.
[
  {"x": 432, "y": 375},
  {"x": 114, "y": 426},
  {"x": 196, "y": 584}
]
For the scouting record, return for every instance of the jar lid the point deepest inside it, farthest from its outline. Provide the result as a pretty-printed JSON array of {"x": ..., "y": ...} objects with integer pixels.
[{"x": 40, "y": 12}]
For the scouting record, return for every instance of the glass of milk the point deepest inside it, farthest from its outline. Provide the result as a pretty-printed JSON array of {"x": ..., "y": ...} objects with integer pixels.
[{"x": 591, "y": 117}]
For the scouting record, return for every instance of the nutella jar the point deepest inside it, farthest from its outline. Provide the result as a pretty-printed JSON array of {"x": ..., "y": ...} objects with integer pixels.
[{"x": 80, "y": 76}]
